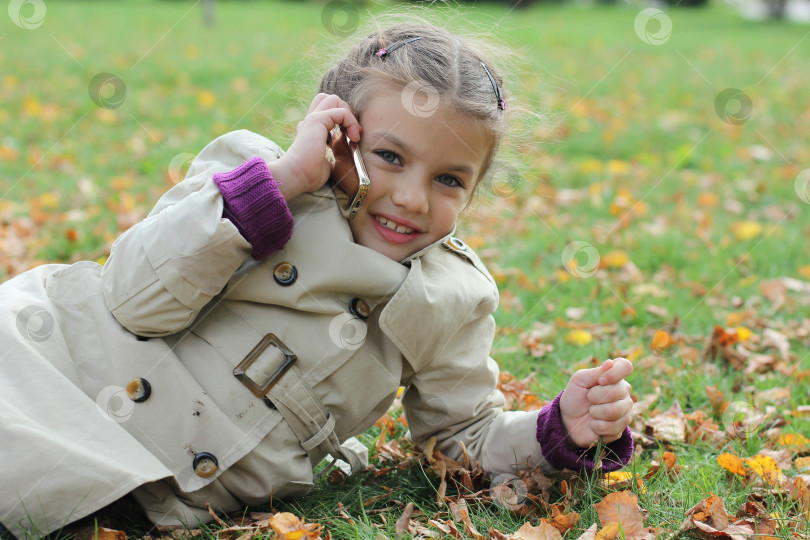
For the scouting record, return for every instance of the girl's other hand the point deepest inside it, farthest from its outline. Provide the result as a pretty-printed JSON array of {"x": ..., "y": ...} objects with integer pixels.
[
  {"x": 304, "y": 168},
  {"x": 596, "y": 403}
]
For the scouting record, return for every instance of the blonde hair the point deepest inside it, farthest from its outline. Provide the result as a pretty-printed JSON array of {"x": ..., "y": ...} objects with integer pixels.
[{"x": 441, "y": 64}]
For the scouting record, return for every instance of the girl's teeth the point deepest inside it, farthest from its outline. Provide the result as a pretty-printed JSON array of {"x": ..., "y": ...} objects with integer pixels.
[{"x": 402, "y": 229}]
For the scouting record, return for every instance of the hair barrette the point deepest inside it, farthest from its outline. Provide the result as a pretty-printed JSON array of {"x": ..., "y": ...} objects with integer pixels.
[
  {"x": 382, "y": 53},
  {"x": 501, "y": 103}
]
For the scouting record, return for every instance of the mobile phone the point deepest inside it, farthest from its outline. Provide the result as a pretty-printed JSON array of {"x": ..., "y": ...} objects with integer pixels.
[{"x": 362, "y": 189}]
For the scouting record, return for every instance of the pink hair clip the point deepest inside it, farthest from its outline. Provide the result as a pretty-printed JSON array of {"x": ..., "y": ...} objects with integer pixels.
[{"x": 382, "y": 53}]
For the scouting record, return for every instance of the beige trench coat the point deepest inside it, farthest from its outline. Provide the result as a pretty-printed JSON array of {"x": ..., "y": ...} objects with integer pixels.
[{"x": 180, "y": 304}]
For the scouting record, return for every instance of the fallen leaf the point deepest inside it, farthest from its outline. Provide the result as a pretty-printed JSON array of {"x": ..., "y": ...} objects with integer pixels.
[
  {"x": 589, "y": 534},
  {"x": 543, "y": 531},
  {"x": 732, "y": 463},
  {"x": 288, "y": 527},
  {"x": 404, "y": 520},
  {"x": 621, "y": 507}
]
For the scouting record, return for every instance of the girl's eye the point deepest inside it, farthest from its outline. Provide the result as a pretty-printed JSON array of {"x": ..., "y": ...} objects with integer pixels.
[
  {"x": 449, "y": 180},
  {"x": 388, "y": 156}
]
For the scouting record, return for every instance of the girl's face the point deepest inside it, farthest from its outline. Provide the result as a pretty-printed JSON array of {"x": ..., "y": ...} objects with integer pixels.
[{"x": 423, "y": 167}]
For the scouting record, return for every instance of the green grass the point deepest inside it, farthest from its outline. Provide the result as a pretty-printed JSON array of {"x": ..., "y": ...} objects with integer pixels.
[{"x": 625, "y": 121}]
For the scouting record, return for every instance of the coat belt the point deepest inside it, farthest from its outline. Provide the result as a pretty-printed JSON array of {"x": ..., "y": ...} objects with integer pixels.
[{"x": 292, "y": 396}]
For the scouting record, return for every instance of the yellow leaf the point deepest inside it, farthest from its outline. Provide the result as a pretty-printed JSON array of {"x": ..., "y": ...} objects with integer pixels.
[
  {"x": 591, "y": 166},
  {"x": 614, "y": 259},
  {"x": 617, "y": 166},
  {"x": 206, "y": 98},
  {"x": 48, "y": 200},
  {"x": 610, "y": 532},
  {"x": 578, "y": 337},
  {"x": 732, "y": 463},
  {"x": 746, "y": 230},
  {"x": 621, "y": 479},
  {"x": 743, "y": 333},
  {"x": 10, "y": 82},
  {"x": 766, "y": 467},
  {"x": 804, "y": 271},
  {"x": 191, "y": 51},
  {"x": 793, "y": 439}
]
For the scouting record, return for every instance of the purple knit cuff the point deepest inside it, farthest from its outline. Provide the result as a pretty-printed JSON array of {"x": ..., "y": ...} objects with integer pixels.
[
  {"x": 551, "y": 434},
  {"x": 255, "y": 205}
]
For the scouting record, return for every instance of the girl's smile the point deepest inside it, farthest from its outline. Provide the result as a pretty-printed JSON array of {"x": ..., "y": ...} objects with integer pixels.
[{"x": 423, "y": 170}]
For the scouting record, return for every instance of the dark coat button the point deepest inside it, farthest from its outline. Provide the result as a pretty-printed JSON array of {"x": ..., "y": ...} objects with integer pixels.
[
  {"x": 285, "y": 273},
  {"x": 270, "y": 404},
  {"x": 205, "y": 464},
  {"x": 139, "y": 390},
  {"x": 360, "y": 309}
]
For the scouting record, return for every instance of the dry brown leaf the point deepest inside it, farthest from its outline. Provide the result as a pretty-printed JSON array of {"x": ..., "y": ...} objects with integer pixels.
[
  {"x": 103, "y": 533},
  {"x": 669, "y": 426},
  {"x": 288, "y": 527},
  {"x": 589, "y": 534},
  {"x": 543, "y": 531},
  {"x": 564, "y": 522},
  {"x": 732, "y": 532},
  {"x": 404, "y": 520},
  {"x": 621, "y": 507}
]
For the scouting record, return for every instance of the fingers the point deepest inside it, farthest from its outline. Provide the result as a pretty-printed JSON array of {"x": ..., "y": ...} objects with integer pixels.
[
  {"x": 326, "y": 108},
  {"x": 610, "y": 429},
  {"x": 615, "y": 371},
  {"x": 588, "y": 378},
  {"x": 610, "y": 393}
]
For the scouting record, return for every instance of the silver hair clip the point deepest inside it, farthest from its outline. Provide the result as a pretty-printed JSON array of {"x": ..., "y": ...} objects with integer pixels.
[{"x": 501, "y": 103}]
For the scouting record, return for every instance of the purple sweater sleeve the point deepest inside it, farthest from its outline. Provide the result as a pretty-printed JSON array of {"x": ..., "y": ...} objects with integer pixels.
[
  {"x": 551, "y": 436},
  {"x": 256, "y": 207}
]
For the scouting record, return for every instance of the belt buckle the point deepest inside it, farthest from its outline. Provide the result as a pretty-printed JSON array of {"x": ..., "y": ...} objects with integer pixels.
[{"x": 240, "y": 371}]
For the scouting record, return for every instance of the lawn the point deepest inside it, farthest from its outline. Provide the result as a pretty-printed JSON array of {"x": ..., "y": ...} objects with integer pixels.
[{"x": 652, "y": 202}]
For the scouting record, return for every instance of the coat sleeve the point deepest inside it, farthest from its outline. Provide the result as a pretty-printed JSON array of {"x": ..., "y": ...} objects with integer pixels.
[
  {"x": 162, "y": 271},
  {"x": 453, "y": 395},
  {"x": 454, "y": 398}
]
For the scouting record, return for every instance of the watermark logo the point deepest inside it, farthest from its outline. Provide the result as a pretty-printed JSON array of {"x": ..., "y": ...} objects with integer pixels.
[
  {"x": 114, "y": 404},
  {"x": 742, "y": 420},
  {"x": 178, "y": 166},
  {"x": 35, "y": 323},
  {"x": 347, "y": 332},
  {"x": 508, "y": 491},
  {"x": 340, "y": 18},
  {"x": 107, "y": 90},
  {"x": 503, "y": 179},
  {"x": 802, "y": 186},
  {"x": 661, "y": 338},
  {"x": 420, "y": 99},
  {"x": 27, "y": 14},
  {"x": 733, "y": 106},
  {"x": 580, "y": 259},
  {"x": 431, "y": 413},
  {"x": 653, "y": 26}
]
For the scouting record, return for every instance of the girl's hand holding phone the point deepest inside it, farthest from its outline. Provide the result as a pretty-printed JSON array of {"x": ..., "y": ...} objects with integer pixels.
[
  {"x": 304, "y": 168},
  {"x": 597, "y": 403}
]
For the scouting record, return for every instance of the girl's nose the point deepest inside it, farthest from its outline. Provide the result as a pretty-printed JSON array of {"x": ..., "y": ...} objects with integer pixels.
[{"x": 410, "y": 193}]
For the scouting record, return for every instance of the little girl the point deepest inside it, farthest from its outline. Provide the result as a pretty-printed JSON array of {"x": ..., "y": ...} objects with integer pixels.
[{"x": 247, "y": 328}]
